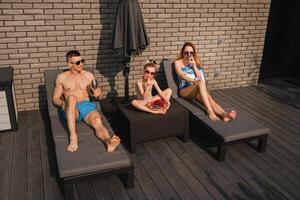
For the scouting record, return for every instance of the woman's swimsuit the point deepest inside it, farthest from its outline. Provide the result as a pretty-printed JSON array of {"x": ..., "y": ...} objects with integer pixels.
[{"x": 189, "y": 71}]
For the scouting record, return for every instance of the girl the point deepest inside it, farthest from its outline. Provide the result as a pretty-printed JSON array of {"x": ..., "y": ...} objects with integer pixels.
[{"x": 158, "y": 104}]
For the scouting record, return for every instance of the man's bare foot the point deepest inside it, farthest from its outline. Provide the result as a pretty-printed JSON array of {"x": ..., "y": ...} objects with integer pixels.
[
  {"x": 229, "y": 116},
  {"x": 73, "y": 146},
  {"x": 212, "y": 116},
  {"x": 113, "y": 143}
]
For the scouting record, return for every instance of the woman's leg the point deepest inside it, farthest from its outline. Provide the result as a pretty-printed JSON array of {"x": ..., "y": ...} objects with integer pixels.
[
  {"x": 220, "y": 111},
  {"x": 198, "y": 91}
]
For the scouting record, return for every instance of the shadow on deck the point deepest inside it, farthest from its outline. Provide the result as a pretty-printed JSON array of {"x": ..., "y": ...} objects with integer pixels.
[{"x": 168, "y": 168}]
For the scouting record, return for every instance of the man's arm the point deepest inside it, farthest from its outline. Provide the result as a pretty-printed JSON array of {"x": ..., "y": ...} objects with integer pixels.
[
  {"x": 97, "y": 93},
  {"x": 58, "y": 91}
]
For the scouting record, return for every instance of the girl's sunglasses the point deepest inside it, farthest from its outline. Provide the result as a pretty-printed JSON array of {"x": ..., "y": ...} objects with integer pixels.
[
  {"x": 148, "y": 72},
  {"x": 78, "y": 62}
]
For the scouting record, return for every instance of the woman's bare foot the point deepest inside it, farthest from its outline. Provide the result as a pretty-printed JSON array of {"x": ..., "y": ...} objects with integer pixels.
[
  {"x": 229, "y": 116},
  {"x": 73, "y": 146},
  {"x": 113, "y": 143},
  {"x": 212, "y": 116}
]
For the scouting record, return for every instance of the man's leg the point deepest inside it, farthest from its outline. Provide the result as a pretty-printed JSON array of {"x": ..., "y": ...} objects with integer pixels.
[
  {"x": 72, "y": 114},
  {"x": 94, "y": 120}
]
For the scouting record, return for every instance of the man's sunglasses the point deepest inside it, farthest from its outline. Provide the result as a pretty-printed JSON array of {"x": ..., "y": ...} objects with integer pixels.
[
  {"x": 148, "y": 72},
  {"x": 188, "y": 53},
  {"x": 78, "y": 62}
]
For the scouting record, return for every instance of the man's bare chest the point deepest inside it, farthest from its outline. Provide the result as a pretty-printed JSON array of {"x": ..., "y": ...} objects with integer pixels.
[{"x": 71, "y": 84}]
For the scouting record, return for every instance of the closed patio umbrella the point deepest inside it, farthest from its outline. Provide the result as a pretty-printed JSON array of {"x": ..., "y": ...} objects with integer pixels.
[{"x": 130, "y": 36}]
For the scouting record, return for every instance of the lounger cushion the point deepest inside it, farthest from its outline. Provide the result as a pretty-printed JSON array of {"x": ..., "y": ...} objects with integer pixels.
[
  {"x": 240, "y": 128},
  {"x": 90, "y": 157}
]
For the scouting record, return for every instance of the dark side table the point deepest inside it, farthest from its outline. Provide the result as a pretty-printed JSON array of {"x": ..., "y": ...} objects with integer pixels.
[{"x": 135, "y": 126}]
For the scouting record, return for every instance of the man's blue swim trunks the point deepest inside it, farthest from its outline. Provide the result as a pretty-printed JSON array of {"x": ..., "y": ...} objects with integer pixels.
[{"x": 84, "y": 108}]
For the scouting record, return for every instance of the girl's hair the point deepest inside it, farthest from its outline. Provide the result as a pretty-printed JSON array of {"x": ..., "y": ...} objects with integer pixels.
[
  {"x": 151, "y": 63},
  {"x": 196, "y": 58}
]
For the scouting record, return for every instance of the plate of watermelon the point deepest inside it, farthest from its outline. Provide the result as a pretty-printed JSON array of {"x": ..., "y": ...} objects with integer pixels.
[{"x": 157, "y": 104}]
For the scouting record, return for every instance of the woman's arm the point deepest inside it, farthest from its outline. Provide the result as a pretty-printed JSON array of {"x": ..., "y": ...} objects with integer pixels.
[
  {"x": 180, "y": 74},
  {"x": 196, "y": 70}
]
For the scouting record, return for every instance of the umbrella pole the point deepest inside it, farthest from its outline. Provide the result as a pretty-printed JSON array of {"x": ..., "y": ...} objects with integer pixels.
[{"x": 126, "y": 70}]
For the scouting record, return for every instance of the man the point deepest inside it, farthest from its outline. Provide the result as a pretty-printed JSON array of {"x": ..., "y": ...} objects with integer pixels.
[{"x": 74, "y": 85}]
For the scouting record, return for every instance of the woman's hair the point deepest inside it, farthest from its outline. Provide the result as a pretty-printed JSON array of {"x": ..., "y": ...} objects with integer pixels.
[
  {"x": 196, "y": 58},
  {"x": 151, "y": 63}
]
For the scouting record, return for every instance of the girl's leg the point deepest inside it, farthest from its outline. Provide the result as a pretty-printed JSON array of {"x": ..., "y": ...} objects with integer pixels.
[{"x": 141, "y": 105}]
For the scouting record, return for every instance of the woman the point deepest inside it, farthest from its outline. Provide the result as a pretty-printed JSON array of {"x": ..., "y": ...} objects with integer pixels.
[
  {"x": 158, "y": 104},
  {"x": 192, "y": 83}
]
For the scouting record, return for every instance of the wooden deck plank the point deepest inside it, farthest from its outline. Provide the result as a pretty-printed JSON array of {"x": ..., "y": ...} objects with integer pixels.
[
  {"x": 169, "y": 172},
  {"x": 276, "y": 175},
  {"x": 290, "y": 114},
  {"x": 288, "y": 122},
  {"x": 136, "y": 192},
  {"x": 195, "y": 186},
  {"x": 116, "y": 188},
  {"x": 249, "y": 177},
  {"x": 144, "y": 180},
  {"x": 222, "y": 173},
  {"x": 282, "y": 91},
  {"x": 48, "y": 160},
  {"x": 35, "y": 176},
  {"x": 19, "y": 166},
  {"x": 263, "y": 180},
  {"x": 161, "y": 182},
  {"x": 85, "y": 191},
  {"x": 204, "y": 176},
  {"x": 6, "y": 159},
  {"x": 101, "y": 189}
]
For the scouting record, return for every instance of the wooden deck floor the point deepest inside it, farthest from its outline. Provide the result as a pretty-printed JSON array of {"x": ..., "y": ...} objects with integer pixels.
[{"x": 168, "y": 168}]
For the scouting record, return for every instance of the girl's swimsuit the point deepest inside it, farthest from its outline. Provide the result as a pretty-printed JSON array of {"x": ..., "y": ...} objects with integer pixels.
[
  {"x": 189, "y": 71},
  {"x": 140, "y": 97}
]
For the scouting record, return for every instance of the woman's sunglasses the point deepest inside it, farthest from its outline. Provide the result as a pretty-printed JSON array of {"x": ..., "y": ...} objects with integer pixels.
[
  {"x": 148, "y": 72},
  {"x": 78, "y": 62},
  {"x": 188, "y": 53}
]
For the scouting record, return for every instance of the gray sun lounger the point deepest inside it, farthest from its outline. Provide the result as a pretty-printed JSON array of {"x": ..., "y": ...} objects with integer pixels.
[
  {"x": 242, "y": 129},
  {"x": 91, "y": 159}
]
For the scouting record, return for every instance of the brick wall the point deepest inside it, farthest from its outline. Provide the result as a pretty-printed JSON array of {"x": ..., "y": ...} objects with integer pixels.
[{"x": 35, "y": 35}]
